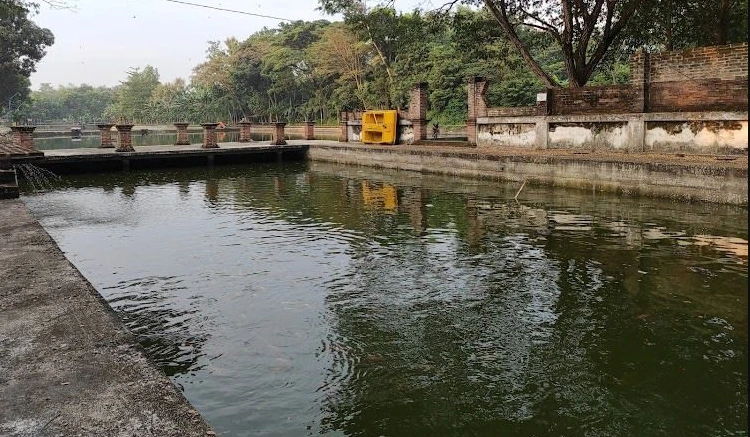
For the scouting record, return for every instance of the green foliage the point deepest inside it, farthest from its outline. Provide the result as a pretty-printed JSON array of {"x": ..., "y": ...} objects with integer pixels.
[
  {"x": 313, "y": 70},
  {"x": 22, "y": 45},
  {"x": 133, "y": 95},
  {"x": 679, "y": 24},
  {"x": 74, "y": 104}
]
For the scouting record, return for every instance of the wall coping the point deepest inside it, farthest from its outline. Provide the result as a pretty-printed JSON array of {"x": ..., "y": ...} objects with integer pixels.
[
  {"x": 401, "y": 122},
  {"x": 608, "y": 118}
]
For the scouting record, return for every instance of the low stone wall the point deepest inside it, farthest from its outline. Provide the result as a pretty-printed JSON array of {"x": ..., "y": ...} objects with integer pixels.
[
  {"x": 405, "y": 131},
  {"x": 699, "y": 181},
  {"x": 715, "y": 135},
  {"x": 507, "y": 134},
  {"x": 702, "y": 132},
  {"x": 593, "y": 135},
  {"x": 297, "y": 130}
]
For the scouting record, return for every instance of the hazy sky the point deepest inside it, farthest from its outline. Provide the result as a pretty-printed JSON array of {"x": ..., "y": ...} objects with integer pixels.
[{"x": 101, "y": 39}]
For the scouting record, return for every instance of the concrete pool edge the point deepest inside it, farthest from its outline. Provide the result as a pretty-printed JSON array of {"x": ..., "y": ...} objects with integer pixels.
[
  {"x": 68, "y": 365},
  {"x": 697, "y": 178}
]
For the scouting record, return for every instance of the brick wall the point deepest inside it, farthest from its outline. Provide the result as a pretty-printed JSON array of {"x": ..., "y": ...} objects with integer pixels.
[
  {"x": 700, "y": 79},
  {"x": 511, "y": 111},
  {"x": 698, "y": 95},
  {"x": 727, "y": 62},
  {"x": 418, "y": 102},
  {"x": 614, "y": 99}
]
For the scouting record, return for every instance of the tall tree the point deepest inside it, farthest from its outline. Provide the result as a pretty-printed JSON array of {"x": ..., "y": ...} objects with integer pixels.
[
  {"x": 678, "y": 24},
  {"x": 22, "y": 45},
  {"x": 584, "y": 30},
  {"x": 340, "y": 54},
  {"x": 135, "y": 92}
]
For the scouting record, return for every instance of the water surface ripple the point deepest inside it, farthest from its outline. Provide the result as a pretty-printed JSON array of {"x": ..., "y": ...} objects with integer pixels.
[{"x": 306, "y": 299}]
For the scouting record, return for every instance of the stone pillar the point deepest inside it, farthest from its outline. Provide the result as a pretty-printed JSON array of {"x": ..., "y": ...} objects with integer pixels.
[
  {"x": 637, "y": 133},
  {"x": 344, "y": 132},
  {"x": 543, "y": 105},
  {"x": 418, "y": 111},
  {"x": 209, "y": 136},
  {"x": 23, "y": 137},
  {"x": 541, "y": 131},
  {"x": 182, "y": 134},
  {"x": 640, "y": 66},
  {"x": 126, "y": 138},
  {"x": 278, "y": 135},
  {"x": 245, "y": 130},
  {"x": 309, "y": 133},
  {"x": 105, "y": 136},
  {"x": 477, "y": 106}
]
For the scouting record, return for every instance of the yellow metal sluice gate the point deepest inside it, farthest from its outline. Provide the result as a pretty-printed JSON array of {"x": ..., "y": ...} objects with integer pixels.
[{"x": 379, "y": 127}]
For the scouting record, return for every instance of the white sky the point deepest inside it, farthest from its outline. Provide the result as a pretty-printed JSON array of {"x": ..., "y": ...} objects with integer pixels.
[{"x": 100, "y": 40}]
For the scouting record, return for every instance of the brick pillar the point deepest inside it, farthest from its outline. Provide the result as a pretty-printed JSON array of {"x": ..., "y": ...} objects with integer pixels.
[
  {"x": 209, "y": 136},
  {"x": 344, "y": 128},
  {"x": 126, "y": 138},
  {"x": 477, "y": 106},
  {"x": 278, "y": 135},
  {"x": 309, "y": 130},
  {"x": 640, "y": 66},
  {"x": 471, "y": 132},
  {"x": 245, "y": 130},
  {"x": 182, "y": 134},
  {"x": 105, "y": 136},
  {"x": 418, "y": 111},
  {"x": 23, "y": 137}
]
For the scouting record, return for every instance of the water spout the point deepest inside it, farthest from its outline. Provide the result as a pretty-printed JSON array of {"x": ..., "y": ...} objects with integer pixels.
[{"x": 39, "y": 179}]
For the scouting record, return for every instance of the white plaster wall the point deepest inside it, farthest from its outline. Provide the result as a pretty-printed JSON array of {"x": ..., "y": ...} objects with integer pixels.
[
  {"x": 514, "y": 135},
  {"x": 355, "y": 133},
  {"x": 611, "y": 137},
  {"x": 406, "y": 134},
  {"x": 705, "y": 140}
]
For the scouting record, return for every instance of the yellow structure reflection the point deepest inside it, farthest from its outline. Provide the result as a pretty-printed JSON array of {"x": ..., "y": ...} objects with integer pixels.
[{"x": 385, "y": 197}]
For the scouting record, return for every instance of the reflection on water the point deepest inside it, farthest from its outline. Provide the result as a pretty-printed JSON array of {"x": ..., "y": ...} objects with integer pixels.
[{"x": 318, "y": 299}]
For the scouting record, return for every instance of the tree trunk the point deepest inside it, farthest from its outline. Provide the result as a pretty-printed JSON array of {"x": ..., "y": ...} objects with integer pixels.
[
  {"x": 546, "y": 79},
  {"x": 722, "y": 29}
]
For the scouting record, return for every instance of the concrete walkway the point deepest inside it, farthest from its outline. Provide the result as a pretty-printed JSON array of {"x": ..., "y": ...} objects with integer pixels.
[{"x": 68, "y": 366}]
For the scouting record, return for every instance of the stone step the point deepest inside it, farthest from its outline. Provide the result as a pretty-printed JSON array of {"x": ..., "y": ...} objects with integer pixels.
[
  {"x": 7, "y": 176},
  {"x": 444, "y": 143},
  {"x": 8, "y": 184}
]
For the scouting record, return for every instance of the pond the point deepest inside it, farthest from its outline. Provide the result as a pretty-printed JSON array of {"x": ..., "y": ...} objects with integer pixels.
[{"x": 309, "y": 298}]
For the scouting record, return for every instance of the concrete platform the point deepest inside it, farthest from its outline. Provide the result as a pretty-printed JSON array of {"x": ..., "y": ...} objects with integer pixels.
[
  {"x": 11, "y": 153},
  {"x": 68, "y": 366},
  {"x": 683, "y": 177},
  {"x": 95, "y": 159}
]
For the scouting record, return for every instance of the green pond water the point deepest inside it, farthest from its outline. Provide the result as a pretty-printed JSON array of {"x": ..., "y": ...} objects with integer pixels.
[{"x": 309, "y": 298}]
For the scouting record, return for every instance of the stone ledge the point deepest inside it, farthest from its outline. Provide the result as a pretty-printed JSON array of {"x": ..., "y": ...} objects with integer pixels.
[{"x": 69, "y": 366}]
